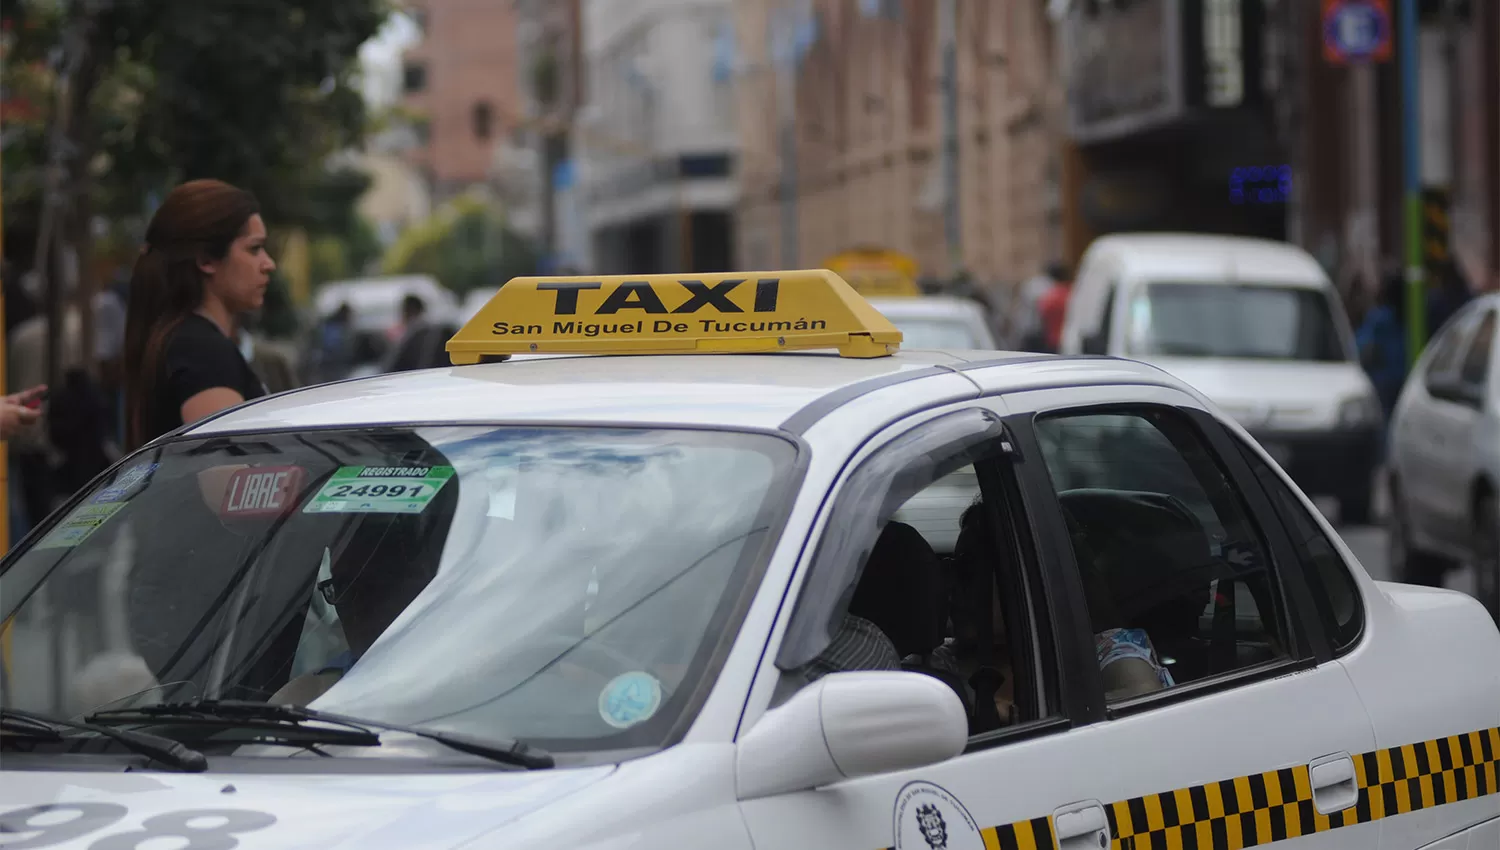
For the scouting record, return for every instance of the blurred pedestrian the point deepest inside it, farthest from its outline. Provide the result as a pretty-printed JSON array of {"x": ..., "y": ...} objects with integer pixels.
[
  {"x": 1382, "y": 340},
  {"x": 423, "y": 341},
  {"x": 331, "y": 354},
  {"x": 1053, "y": 307},
  {"x": 19, "y": 410},
  {"x": 1448, "y": 294},
  {"x": 203, "y": 266}
]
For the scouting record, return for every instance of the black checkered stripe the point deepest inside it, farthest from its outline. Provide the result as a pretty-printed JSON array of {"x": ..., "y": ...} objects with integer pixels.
[{"x": 1261, "y": 808}]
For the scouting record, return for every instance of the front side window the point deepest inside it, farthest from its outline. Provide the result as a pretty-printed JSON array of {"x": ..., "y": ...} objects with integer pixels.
[
  {"x": 1475, "y": 371},
  {"x": 1254, "y": 321},
  {"x": 920, "y": 569},
  {"x": 563, "y": 586},
  {"x": 1178, "y": 582}
]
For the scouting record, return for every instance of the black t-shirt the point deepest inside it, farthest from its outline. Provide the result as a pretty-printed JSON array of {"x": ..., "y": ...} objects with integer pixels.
[{"x": 197, "y": 357}]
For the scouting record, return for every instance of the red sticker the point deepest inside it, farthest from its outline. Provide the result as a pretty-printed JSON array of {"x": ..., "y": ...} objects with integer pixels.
[{"x": 261, "y": 491}]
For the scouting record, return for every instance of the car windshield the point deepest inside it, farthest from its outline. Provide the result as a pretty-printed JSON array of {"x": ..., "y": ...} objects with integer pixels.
[
  {"x": 569, "y": 587},
  {"x": 1258, "y": 321},
  {"x": 935, "y": 332}
]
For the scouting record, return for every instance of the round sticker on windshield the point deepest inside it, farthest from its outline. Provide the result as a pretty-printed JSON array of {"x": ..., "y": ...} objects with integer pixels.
[{"x": 629, "y": 699}]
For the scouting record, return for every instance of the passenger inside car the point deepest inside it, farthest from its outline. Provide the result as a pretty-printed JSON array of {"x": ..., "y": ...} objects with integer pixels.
[
  {"x": 379, "y": 566},
  {"x": 1128, "y": 660}
]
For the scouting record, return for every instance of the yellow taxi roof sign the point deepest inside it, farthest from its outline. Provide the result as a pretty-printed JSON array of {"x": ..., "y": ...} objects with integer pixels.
[
  {"x": 675, "y": 314},
  {"x": 877, "y": 273}
]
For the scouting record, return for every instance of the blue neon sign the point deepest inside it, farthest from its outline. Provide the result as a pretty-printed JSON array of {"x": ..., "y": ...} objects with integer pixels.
[{"x": 1260, "y": 184}]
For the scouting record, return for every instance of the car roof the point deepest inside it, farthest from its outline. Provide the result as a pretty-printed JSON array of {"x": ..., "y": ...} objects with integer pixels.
[
  {"x": 716, "y": 390},
  {"x": 1212, "y": 258},
  {"x": 927, "y": 305}
]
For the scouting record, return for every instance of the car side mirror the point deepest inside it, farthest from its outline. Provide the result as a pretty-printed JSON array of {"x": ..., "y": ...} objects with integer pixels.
[{"x": 847, "y": 725}]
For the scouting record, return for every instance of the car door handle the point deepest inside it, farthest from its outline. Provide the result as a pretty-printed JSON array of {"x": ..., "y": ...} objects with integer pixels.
[
  {"x": 1334, "y": 785},
  {"x": 1081, "y": 826}
]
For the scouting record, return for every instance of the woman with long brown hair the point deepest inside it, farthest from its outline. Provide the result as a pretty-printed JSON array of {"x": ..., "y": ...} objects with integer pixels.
[{"x": 204, "y": 265}]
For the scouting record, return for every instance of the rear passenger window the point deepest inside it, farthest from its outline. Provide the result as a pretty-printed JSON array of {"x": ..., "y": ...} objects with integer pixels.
[
  {"x": 1334, "y": 590},
  {"x": 1177, "y": 579}
]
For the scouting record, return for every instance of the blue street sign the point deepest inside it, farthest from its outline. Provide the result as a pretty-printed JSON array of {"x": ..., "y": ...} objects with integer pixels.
[{"x": 1356, "y": 30}]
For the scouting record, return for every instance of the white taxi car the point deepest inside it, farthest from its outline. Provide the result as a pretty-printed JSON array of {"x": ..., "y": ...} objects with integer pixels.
[
  {"x": 657, "y": 599},
  {"x": 1445, "y": 457}
]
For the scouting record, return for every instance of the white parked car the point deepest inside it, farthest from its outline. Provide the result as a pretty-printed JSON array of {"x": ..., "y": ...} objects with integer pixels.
[
  {"x": 663, "y": 598},
  {"x": 1259, "y": 328},
  {"x": 1445, "y": 457},
  {"x": 938, "y": 321}
]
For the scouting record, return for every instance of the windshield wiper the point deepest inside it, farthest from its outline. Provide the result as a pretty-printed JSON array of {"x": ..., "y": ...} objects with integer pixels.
[
  {"x": 164, "y": 750},
  {"x": 234, "y": 712}
]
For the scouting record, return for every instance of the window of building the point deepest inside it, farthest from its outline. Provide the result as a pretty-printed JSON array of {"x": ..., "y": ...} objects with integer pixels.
[
  {"x": 414, "y": 78},
  {"x": 1177, "y": 580},
  {"x": 484, "y": 120}
]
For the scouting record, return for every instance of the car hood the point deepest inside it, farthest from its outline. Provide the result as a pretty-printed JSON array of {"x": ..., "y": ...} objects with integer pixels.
[
  {"x": 291, "y": 811},
  {"x": 1282, "y": 394}
]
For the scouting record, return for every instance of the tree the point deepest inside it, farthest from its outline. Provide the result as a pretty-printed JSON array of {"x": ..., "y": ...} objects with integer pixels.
[
  {"x": 159, "y": 91},
  {"x": 466, "y": 245},
  {"x": 256, "y": 93}
]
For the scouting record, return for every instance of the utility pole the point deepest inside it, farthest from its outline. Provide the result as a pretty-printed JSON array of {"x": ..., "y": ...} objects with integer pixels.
[
  {"x": 1416, "y": 292},
  {"x": 784, "y": 57},
  {"x": 948, "y": 39}
]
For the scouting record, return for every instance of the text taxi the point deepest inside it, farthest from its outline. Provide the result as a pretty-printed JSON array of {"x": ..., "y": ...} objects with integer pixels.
[{"x": 712, "y": 590}]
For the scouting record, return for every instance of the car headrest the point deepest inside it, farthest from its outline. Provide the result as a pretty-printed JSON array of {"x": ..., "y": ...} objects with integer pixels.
[
  {"x": 1147, "y": 549},
  {"x": 900, "y": 590}
]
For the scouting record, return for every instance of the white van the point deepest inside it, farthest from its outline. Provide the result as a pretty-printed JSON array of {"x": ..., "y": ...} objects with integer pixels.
[{"x": 1255, "y": 325}]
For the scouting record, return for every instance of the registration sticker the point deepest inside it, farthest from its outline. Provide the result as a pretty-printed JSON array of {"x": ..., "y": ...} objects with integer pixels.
[
  {"x": 79, "y": 525},
  {"x": 379, "y": 490},
  {"x": 130, "y": 482}
]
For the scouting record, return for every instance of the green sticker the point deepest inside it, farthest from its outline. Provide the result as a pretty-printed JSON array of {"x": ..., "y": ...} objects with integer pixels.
[
  {"x": 379, "y": 490},
  {"x": 79, "y": 525}
]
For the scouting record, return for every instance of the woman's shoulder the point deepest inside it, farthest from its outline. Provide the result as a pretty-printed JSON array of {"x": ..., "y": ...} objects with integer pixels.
[{"x": 195, "y": 334}]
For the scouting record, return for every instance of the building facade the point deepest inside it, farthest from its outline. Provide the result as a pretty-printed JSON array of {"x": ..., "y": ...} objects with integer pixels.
[
  {"x": 462, "y": 81},
  {"x": 1237, "y": 117},
  {"x": 854, "y": 133},
  {"x": 657, "y": 135},
  {"x": 549, "y": 37}
]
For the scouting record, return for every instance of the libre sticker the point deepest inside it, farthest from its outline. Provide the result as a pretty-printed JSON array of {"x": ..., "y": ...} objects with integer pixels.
[
  {"x": 261, "y": 491},
  {"x": 629, "y": 699},
  {"x": 128, "y": 484},
  {"x": 930, "y": 818},
  {"x": 379, "y": 490},
  {"x": 85, "y": 520}
]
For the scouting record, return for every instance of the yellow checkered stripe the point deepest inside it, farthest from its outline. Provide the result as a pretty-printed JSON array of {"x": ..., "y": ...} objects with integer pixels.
[
  {"x": 1027, "y": 835},
  {"x": 1249, "y": 811},
  {"x": 1253, "y": 810}
]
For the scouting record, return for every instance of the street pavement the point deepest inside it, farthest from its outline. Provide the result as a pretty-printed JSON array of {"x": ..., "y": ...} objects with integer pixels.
[{"x": 1368, "y": 542}]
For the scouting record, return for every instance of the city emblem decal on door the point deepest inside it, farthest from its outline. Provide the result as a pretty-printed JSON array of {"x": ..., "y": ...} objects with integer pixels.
[{"x": 928, "y": 817}]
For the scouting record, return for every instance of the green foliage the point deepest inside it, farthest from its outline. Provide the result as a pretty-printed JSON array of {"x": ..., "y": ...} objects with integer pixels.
[
  {"x": 259, "y": 94},
  {"x": 465, "y": 245}
]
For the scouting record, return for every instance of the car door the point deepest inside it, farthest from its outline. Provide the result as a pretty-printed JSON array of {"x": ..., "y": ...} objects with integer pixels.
[
  {"x": 1230, "y": 759},
  {"x": 1254, "y": 737},
  {"x": 1421, "y": 441},
  {"x": 1458, "y": 394},
  {"x": 911, "y": 474}
]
